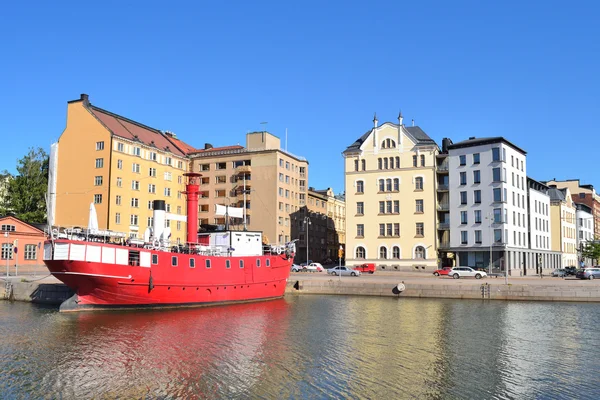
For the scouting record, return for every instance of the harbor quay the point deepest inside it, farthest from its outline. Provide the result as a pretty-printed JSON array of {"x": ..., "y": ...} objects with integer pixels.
[{"x": 41, "y": 288}]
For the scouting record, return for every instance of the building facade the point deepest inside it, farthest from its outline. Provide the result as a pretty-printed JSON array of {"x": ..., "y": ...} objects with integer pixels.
[
  {"x": 266, "y": 181},
  {"x": 120, "y": 165},
  {"x": 564, "y": 228},
  {"x": 390, "y": 176},
  {"x": 582, "y": 194},
  {"x": 336, "y": 222},
  {"x": 489, "y": 224},
  {"x": 26, "y": 238},
  {"x": 540, "y": 228},
  {"x": 585, "y": 231}
]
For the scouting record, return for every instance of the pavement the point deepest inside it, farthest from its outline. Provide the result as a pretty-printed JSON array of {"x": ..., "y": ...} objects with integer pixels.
[{"x": 428, "y": 278}]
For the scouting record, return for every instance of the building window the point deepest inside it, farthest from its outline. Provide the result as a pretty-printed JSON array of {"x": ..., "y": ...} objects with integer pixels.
[
  {"x": 396, "y": 185},
  {"x": 360, "y": 252},
  {"x": 135, "y": 168},
  {"x": 477, "y": 196},
  {"x": 383, "y": 253},
  {"x": 356, "y": 165},
  {"x": 478, "y": 237},
  {"x": 168, "y": 192},
  {"x": 97, "y": 199},
  {"x": 422, "y": 160},
  {"x": 418, "y": 183},
  {"x": 98, "y": 181},
  {"x": 168, "y": 160},
  {"x": 135, "y": 185},
  {"x": 117, "y": 218},
  {"x": 477, "y": 176},
  {"x": 151, "y": 188},
  {"x": 397, "y": 229},
  {"x": 397, "y": 206},
  {"x": 414, "y": 161},
  {"x": 464, "y": 237},
  {"x": 463, "y": 217},
  {"x": 7, "y": 251},
  {"x": 477, "y": 216},
  {"x": 462, "y": 160},
  {"x": 118, "y": 200},
  {"x": 463, "y": 197},
  {"x": 360, "y": 208},
  {"x": 136, "y": 151},
  {"x": 99, "y": 162},
  {"x": 7, "y": 228},
  {"x": 463, "y": 178},
  {"x": 496, "y": 154},
  {"x": 475, "y": 158},
  {"x": 420, "y": 253},
  {"x": 497, "y": 235},
  {"x": 150, "y": 221},
  {"x": 363, "y": 164},
  {"x": 360, "y": 187},
  {"x": 396, "y": 252},
  {"x": 388, "y": 185},
  {"x": 360, "y": 230},
  {"x": 497, "y": 195},
  {"x": 133, "y": 220},
  {"x": 167, "y": 176},
  {"x": 30, "y": 252},
  {"x": 419, "y": 206},
  {"x": 119, "y": 182},
  {"x": 135, "y": 202},
  {"x": 99, "y": 145},
  {"x": 420, "y": 227},
  {"x": 379, "y": 163},
  {"x": 120, "y": 147},
  {"x": 496, "y": 175},
  {"x": 221, "y": 165},
  {"x": 119, "y": 164}
]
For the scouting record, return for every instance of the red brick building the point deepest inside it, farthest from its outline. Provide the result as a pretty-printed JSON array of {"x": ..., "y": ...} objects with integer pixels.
[{"x": 26, "y": 238}]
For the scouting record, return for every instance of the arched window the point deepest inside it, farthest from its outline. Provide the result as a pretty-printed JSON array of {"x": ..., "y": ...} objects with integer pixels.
[
  {"x": 381, "y": 185},
  {"x": 391, "y": 162},
  {"x": 379, "y": 163},
  {"x": 385, "y": 163},
  {"x": 360, "y": 252},
  {"x": 420, "y": 253},
  {"x": 396, "y": 252},
  {"x": 396, "y": 184},
  {"x": 397, "y": 162},
  {"x": 383, "y": 252},
  {"x": 418, "y": 183},
  {"x": 388, "y": 183},
  {"x": 388, "y": 144}
]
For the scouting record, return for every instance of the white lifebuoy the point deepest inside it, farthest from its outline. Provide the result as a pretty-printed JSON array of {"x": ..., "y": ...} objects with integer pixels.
[{"x": 401, "y": 287}]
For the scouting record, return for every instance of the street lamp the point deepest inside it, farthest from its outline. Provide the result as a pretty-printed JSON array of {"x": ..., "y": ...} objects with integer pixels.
[{"x": 306, "y": 224}]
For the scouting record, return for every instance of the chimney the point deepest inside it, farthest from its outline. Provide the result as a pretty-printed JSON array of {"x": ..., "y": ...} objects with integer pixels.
[
  {"x": 85, "y": 98},
  {"x": 413, "y": 122},
  {"x": 472, "y": 138},
  {"x": 375, "y": 121},
  {"x": 445, "y": 143},
  {"x": 400, "y": 118},
  {"x": 207, "y": 146}
]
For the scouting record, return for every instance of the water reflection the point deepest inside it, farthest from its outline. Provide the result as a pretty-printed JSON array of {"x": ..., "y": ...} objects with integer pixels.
[{"x": 305, "y": 347}]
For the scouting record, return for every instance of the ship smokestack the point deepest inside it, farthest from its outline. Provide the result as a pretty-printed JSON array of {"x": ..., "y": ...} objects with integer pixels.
[
  {"x": 192, "y": 191},
  {"x": 158, "y": 218}
]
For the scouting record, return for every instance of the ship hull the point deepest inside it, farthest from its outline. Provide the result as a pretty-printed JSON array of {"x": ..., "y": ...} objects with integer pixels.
[{"x": 169, "y": 280}]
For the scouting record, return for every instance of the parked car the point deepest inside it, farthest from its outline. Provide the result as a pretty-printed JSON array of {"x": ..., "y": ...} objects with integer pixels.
[
  {"x": 296, "y": 268},
  {"x": 588, "y": 273},
  {"x": 463, "y": 272},
  {"x": 443, "y": 271},
  {"x": 365, "y": 268},
  {"x": 315, "y": 267},
  {"x": 570, "y": 270},
  {"x": 561, "y": 273},
  {"x": 343, "y": 271}
]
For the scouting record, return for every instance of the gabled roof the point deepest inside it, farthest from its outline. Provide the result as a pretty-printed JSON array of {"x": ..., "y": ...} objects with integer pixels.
[
  {"x": 32, "y": 226},
  {"x": 415, "y": 132},
  {"x": 556, "y": 194},
  {"x": 132, "y": 130},
  {"x": 186, "y": 148}
]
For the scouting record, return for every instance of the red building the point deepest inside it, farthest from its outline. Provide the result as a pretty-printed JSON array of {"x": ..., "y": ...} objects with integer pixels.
[{"x": 26, "y": 239}]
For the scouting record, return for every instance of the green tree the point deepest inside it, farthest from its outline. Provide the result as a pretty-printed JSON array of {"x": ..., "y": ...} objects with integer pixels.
[
  {"x": 591, "y": 250},
  {"x": 26, "y": 191}
]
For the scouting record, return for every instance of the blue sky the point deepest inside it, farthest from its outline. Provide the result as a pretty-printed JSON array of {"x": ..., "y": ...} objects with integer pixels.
[{"x": 210, "y": 72}]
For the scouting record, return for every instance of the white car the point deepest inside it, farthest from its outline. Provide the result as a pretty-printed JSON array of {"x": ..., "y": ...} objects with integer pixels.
[
  {"x": 296, "y": 268},
  {"x": 464, "y": 272},
  {"x": 343, "y": 271},
  {"x": 319, "y": 267}
]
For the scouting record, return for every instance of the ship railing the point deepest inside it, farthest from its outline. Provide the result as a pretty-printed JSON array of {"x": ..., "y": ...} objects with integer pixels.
[{"x": 85, "y": 234}]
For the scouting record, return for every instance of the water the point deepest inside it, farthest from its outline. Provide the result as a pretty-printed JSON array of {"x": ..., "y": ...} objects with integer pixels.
[{"x": 308, "y": 347}]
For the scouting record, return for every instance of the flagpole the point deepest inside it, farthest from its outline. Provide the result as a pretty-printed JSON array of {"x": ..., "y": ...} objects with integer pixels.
[{"x": 244, "y": 206}]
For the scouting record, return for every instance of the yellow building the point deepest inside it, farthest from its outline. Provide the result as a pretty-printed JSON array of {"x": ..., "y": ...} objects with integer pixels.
[
  {"x": 274, "y": 182},
  {"x": 390, "y": 175},
  {"x": 120, "y": 165},
  {"x": 563, "y": 224}
]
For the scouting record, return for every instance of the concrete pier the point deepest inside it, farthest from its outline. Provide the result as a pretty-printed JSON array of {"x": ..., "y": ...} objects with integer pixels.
[{"x": 41, "y": 290}]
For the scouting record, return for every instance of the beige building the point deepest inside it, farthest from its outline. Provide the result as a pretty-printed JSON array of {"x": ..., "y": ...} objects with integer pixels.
[
  {"x": 563, "y": 223},
  {"x": 121, "y": 166},
  {"x": 336, "y": 221},
  {"x": 584, "y": 194},
  {"x": 271, "y": 184},
  {"x": 390, "y": 180}
]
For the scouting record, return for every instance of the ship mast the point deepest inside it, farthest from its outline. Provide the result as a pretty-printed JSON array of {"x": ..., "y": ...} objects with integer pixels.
[{"x": 192, "y": 192}]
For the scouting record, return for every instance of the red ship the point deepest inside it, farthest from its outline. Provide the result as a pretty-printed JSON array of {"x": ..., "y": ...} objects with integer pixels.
[{"x": 106, "y": 271}]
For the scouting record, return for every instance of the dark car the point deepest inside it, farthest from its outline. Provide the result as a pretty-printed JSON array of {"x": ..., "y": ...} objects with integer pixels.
[
  {"x": 570, "y": 270},
  {"x": 588, "y": 273}
]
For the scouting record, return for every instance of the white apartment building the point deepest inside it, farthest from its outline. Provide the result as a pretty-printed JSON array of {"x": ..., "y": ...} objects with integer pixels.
[
  {"x": 540, "y": 227},
  {"x": 585, "y": 230},
  {"x": 488, "y": 205}
]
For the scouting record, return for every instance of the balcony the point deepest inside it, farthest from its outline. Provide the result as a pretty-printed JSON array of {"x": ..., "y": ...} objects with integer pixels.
[
  {"x": 442, "y": 168},
  {"x": 242, "y": 169},
  {"x": 444, "y": 245},
  {"x": 442, "y": 187},
  {"x": 443, "y": 226},
  {"x": 240, "y": 195},
  {"x": 443, "y": 207}
]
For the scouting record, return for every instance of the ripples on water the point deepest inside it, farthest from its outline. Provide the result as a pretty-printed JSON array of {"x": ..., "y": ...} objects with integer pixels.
[{"x": 305, "y": 347}]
